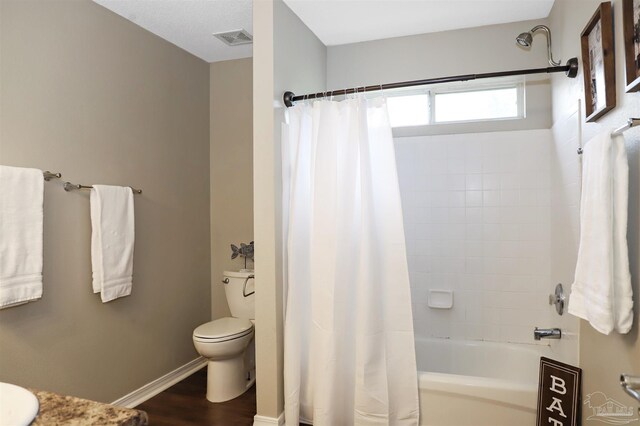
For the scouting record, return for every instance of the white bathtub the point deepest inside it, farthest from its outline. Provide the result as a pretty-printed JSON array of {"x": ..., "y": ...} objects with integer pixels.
[{"x": 475, "y": 383}]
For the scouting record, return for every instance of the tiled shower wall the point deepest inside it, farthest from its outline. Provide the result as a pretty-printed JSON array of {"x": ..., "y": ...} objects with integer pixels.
[{"x": 477, "y": 222}]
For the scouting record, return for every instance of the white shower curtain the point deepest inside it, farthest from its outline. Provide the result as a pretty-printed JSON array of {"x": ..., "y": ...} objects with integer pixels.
[{"x": 349, "y": 344}]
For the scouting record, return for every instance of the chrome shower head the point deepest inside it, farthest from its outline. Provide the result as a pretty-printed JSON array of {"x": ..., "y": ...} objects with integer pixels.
[{"x": 526, "y": 40}]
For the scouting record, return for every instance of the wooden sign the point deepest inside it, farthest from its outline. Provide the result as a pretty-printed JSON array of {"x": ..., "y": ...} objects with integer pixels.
[{"x": 559, "y": 389}]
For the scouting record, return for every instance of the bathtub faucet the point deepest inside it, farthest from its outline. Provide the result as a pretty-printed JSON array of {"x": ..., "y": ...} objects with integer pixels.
[{"x": 547, "y": 333}]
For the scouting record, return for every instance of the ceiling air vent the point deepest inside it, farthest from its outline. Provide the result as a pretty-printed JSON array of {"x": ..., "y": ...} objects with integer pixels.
[{"x": 234, "y": 38}]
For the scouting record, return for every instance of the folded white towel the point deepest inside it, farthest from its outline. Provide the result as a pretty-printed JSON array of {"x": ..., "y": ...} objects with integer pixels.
[
  {"x": 112, "y": 239},
  {"x": 21, "y": 200},
  {"x": 601, "y": 292}
]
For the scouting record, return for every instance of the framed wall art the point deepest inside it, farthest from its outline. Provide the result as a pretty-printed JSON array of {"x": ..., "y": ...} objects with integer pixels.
[
  {"x": 631, "y": 31},
  {"x": 598, "y": 63}
]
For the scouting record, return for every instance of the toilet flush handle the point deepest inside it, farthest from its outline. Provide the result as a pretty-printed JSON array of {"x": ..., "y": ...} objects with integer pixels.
[{"x": 244, "y": 288}]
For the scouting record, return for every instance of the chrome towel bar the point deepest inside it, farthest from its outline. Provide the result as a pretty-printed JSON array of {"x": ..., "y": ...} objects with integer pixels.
[
  {"x": 631, "y": 122},
  {"x": 68, "y": 186},
  {"x": 50, "y": 175}
]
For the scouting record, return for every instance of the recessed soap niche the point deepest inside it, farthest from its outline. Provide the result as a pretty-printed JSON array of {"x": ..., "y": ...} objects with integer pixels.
[{"x": 440, "y": 299}]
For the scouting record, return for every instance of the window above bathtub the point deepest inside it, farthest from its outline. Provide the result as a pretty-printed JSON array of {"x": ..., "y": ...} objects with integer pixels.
[{"x": 461, "y": 103}]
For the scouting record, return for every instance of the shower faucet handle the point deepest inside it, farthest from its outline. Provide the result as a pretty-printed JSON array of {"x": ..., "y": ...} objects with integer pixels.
[{"x": 558, "y": 298}]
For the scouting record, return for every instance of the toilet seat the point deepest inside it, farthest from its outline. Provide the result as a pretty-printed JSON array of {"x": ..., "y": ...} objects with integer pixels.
[{"x": 223, "y": 329}]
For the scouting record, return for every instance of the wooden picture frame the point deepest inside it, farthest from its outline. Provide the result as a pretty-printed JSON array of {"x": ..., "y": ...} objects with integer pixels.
[
  {"x": 631, "y": 31},
  {"x": 599, "y": 63}
]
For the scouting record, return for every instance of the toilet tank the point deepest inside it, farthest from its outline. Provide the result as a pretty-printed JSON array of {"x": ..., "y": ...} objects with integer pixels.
[{"x": 241, "y": 305}]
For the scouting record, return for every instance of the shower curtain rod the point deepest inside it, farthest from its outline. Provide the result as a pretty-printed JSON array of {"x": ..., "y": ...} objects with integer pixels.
[{"x": 570, "y": 69}]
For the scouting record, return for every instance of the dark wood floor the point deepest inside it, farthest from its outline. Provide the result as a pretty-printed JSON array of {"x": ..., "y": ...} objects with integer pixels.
[{"x": 185, "y": 404}]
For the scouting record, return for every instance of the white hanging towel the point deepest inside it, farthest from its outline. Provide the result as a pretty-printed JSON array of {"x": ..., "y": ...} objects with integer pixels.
[
  {"x": 21, "y": 217},
  {"x": 601, "y": 292},
  {"x": 112, "y": 239}
]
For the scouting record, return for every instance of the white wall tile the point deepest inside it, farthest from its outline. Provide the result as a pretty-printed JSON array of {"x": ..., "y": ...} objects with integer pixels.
[
  {"x": 479, "y": 224},
  {"x": 473, "y": 248},
  {"x": 516, "y": 334},
  {"x": 457, "y": 215},
  {"x": 490, "y": 231},
  {"x": 474, "y": 232},
  {"x": 509, "y": 197},
  {"x": 491, "y": 198},
  {"x": 491, "y": 181},
  {"x": 455, "y": 165},
  {"x": 473, "y": 165},
  {"x": 473, "y": 215},
  {"x": 457, "y": 199},
  {"x": 510, "y": 231},
  {"x": 474, "y": 198},
  {"x": 510, "y": 181},
  {"x": 473, "y": 182},
  {"x": 456, "y": 182},
  {"x": 490, "y": 214}
]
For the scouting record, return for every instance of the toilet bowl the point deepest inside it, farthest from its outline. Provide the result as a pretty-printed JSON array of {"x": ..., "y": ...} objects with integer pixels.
[{"x": 228, "y": 344}]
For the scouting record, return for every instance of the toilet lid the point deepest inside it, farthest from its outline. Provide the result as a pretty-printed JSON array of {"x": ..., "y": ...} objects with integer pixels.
[{"x": 224, "y": 327}]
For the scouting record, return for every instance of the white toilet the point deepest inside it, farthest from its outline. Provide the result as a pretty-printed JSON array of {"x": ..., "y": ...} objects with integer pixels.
[{"x": 228, "y": 342}]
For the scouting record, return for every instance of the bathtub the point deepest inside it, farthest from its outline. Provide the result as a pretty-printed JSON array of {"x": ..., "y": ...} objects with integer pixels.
[{"x": 476, "y": 383}]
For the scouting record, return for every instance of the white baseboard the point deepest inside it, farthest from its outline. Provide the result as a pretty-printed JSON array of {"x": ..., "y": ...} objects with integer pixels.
[
  {"x": 150, "y": 390},
  {"x": 268, "y": 421}
]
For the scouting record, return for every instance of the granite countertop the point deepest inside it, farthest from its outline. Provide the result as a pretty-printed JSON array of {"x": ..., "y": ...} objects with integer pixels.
[{"x": 68, "y": 410}]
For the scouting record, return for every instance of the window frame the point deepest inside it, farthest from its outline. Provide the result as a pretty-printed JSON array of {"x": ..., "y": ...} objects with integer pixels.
[
  {"x": 520, "y": 101},
  {"x": 465, "y": 87}
]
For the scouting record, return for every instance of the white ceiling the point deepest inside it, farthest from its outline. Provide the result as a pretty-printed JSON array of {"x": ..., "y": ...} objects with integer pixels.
[
  {"x": 189, "y": 24},
  {"x": 350, "y": 21}
]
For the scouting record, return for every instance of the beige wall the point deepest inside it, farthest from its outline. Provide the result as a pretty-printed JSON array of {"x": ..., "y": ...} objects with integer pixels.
[
  {"x": 466, "y": 51},
  {"x": 231, "y": 160},
  {"x": 268, "y": 308},
  {"x": 287, "y": 56},
  {"x": 91, "y": 95},
  {"x": 602, "y": 357}
]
